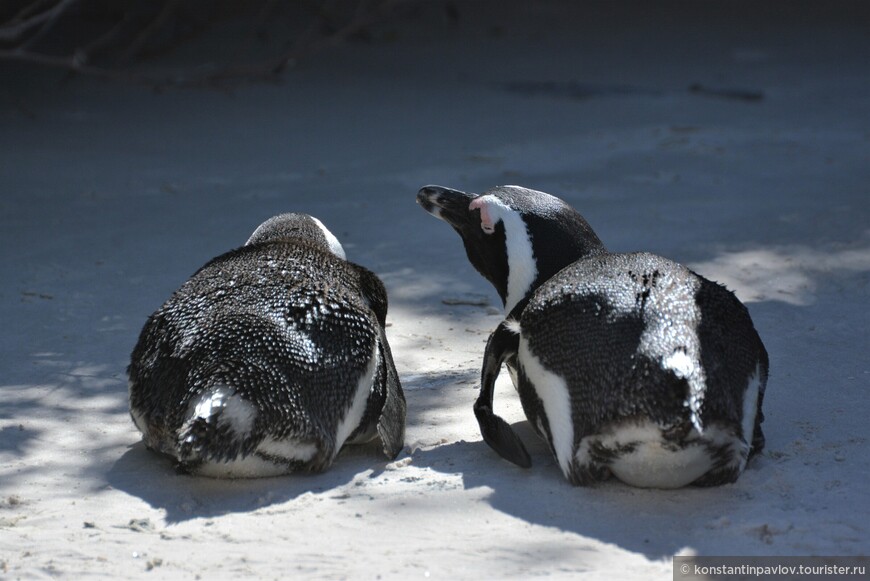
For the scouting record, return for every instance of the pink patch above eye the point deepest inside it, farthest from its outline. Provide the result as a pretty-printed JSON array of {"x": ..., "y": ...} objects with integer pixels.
[{"x": 486, "y": 221}]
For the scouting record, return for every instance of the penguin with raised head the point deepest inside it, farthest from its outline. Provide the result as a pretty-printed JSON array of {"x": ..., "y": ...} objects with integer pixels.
[
  {"x": 628, "y": 365},
  {"x": 269, "y": 359}
]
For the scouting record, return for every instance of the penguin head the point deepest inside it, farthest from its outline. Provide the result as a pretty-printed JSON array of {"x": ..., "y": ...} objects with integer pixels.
[
  {"x": 515, "y": 237},
  {"x": 297, "y": 226}
]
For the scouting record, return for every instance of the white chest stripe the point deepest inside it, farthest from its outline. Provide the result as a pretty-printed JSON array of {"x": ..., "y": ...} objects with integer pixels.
[
  {"x": 750, "y": 407},
  {"x": 354, "y": 415},
  {"x": 553, "y": 392},
  {"x": 521, "y": 259}
]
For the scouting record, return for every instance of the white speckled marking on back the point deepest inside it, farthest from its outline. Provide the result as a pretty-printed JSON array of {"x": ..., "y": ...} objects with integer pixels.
[
  {"x": 556, "y": 400},
  {"x": 522, "y": 268},
  {"x": 680, "y": 363}
]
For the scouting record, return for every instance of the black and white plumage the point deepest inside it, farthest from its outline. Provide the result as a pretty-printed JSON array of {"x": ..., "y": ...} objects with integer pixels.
[
  {"x": 626, "y": 364},
  {"x": 269, "y": 359}
]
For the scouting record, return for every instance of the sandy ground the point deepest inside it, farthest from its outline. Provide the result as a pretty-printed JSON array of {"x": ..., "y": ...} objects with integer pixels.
[{"x": 111, "y": 195}]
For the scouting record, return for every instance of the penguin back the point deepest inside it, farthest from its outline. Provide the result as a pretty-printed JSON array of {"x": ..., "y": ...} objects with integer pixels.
[{"x": 276, "y": 345}]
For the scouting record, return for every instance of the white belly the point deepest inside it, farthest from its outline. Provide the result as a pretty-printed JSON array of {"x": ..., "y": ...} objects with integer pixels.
[
  {"x": 655, "y": 463},
  {"x": 652, "y": 466},
  {"x": 254, "y": 466}
]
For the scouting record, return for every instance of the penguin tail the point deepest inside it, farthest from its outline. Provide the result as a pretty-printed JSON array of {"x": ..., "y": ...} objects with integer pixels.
[
  {"x": 502, "y": 343},
  {"x": 207, "y": 440},
  {"x": 219, "y": 422},
  {"x": 193, "y": 440}
]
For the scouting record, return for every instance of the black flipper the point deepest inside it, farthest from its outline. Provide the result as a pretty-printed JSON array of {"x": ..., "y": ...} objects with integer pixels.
[
  {"x": 374, "y": 291},
  {"x": 495, "y": 431},
  {"x": 391, "y": 424}
]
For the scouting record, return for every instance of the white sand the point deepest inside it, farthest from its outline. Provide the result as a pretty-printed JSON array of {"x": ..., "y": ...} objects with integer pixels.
[{"x": 110, "y": 196}]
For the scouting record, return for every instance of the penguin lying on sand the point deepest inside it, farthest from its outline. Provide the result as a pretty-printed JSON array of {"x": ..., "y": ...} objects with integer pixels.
[
  {"x": 628, "y": 365},
  {"x": 269, "y": 359}
]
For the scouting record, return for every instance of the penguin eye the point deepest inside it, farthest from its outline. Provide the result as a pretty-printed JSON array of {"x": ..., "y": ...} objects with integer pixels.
[{"x": 487, "y": 220}]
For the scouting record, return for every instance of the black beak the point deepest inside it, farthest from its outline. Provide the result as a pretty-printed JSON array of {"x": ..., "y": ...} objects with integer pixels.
[{"x": 446, "y": 204}]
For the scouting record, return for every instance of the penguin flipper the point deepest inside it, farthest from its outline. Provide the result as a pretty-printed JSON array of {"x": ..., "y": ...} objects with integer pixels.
[
  {"x": 496, "y": 432},
  {"x": 500, "y": 436},
  {"x": 374, "y": 292},
  {"x": 391, "y": 423}
]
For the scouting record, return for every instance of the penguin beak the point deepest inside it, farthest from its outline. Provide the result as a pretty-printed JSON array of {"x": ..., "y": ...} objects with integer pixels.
[{"x": 448, "y": 205}]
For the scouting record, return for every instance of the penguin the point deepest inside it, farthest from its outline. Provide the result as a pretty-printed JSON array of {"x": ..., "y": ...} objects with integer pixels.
[
  {"x": 269, "y": 359},
  {"x": 628, "y": 365}
]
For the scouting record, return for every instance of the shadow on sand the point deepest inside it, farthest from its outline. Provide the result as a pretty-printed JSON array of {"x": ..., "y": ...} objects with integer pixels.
[
  {"x": 153, "y": 478},
  {"x": 655, "y": 523}
]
